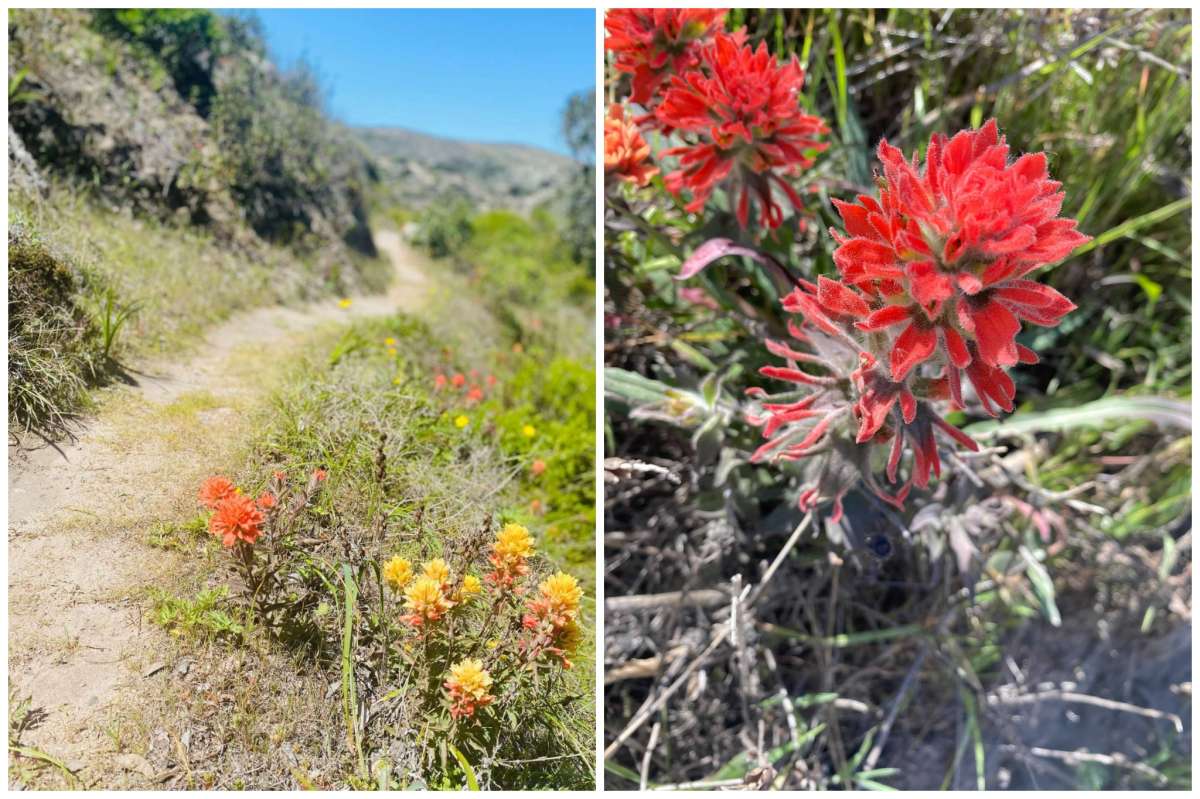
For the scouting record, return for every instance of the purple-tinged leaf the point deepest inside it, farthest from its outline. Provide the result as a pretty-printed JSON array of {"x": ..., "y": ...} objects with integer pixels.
[{"x": 714, "y": 249}]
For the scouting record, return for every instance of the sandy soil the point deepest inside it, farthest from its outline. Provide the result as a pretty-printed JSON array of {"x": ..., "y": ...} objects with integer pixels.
[{"x": 81, "y": 514}]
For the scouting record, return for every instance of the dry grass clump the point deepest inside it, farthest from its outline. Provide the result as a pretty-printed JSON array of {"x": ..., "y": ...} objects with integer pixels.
[{"x": 55, "y": 348}]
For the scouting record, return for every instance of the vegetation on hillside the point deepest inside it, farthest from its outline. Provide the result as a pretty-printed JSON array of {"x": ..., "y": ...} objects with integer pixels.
[
  {"x": 934, "y": 641},
  {"x": 139, "y": 133},
  {"x": 417, "y": 170}
]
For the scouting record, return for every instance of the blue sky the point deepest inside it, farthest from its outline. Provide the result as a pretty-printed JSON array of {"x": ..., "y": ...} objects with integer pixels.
[{"x": 486, "y": 75}]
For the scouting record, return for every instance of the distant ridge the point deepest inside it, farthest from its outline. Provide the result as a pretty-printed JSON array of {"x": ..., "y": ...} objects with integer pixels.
[{"x": 419, "y": 168}]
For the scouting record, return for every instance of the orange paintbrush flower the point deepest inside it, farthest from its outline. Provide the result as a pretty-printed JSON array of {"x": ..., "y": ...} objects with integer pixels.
[
  {"x": 214, "y": 490},
  {"x": 625, "y": 151},
  {"x": 236, "y": 518}
]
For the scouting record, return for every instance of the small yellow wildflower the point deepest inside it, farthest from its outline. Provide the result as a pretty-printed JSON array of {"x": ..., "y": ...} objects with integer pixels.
[
  {"x": 461, "y": 421},
  {"x": 529, "y": 431},
  {"x": 397, "y": 572},
  {"x": 344, "y": 303},
  {"x": 470, "y": 587},
  {"x": 392, "y": 351},
  {"x": 389, "y": 342},
  {"x": 437, "y": 569},
  {"x": 563, "y": 593},
  {"x": 492, "y": 643},
  {"x": 396, "y": 381}
]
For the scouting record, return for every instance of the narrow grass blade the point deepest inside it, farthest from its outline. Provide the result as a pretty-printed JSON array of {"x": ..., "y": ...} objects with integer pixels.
[
  {"x": 1160, "y": 410},
  {"x": 1131, "y": 226},
  {"x": 349, "y": 687},
  {"x": 465, "y": 765}
]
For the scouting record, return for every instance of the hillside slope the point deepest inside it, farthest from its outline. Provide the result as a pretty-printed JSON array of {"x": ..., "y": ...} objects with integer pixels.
[{"x": 416, "y": 169}]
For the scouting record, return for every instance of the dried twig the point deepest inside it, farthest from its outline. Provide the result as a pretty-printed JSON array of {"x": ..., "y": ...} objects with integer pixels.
[
  {"x": 1085, "y": 699},
  {"x": 702, "y": 598},
  {"x": 653, "y": 742},
  {"x": 1113, "y": 759},
  {"x": 885, "y": 729}
]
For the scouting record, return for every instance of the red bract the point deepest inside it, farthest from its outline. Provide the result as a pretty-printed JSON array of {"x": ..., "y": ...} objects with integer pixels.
[
  {"x": 653, "y": 43},
  {"x": 942, "y": 255},
  {"x": 847, "y": 402},
  {"x": 236, "y": 518},
  {"x": 742, "y": 108}
]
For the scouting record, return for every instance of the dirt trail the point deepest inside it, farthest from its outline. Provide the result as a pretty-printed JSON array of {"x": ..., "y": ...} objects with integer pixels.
[{"x": 80, "y": 518}]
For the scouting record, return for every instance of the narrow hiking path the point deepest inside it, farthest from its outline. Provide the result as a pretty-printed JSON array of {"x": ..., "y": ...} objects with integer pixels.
[{"x": 81, "y": 515}]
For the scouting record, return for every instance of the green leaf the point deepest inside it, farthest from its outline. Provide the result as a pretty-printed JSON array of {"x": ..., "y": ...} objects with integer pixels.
[
  {"x": 625, "y": 773},
  {"x": 1160, "y": 410},
  {"x": 1043, "y": 586},
  {"x": 635, "y": 387},
  {"x": 693, "y": 355},
  {"x": 465, "y": 765}
]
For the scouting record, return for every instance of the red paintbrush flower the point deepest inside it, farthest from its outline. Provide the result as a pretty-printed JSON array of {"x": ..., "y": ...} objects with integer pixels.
[
  {"x": 740, "y": 109},
  {"x": 847, "y": 401},
  {"x": 944, "y": 253},
  {"x": 625, "y": 151},
  {"x": 653, "y": 43}
]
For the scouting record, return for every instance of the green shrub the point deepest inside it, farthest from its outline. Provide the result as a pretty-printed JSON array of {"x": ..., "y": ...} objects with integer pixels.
[
  {"x": 556, "y": 401},
  {"x": 294, "y": 175},
  {"x": 444, "y": 229},
  {"x": 186, "y": 41}
]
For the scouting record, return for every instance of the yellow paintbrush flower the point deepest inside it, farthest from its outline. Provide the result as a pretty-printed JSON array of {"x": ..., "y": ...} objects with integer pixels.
[
  {"x": 469, "y": 686},
  {"x": 397, "y": 572},
  {"x": 437, "y": 570},
  {"x": 563, "y": 593},
  {"x": 425, "y": 600},
  {"x": 469, "y": 588}
]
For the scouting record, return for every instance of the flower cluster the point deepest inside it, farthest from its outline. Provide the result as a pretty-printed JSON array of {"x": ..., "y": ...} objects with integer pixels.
[
  {"x": 510, "y": 552},
  {"x": 472, "y": 389},
  {"x": 432, "y": 594},
  {"x": 552, "y": 618},
  {"x": 469, "y": 686},
  {"x": 933, "y": 283},
  {"x": 736, "y": 109},
  {"x": 653, "y": 43},
  {"x": 435, "y": 594},
  {"x": 235, "y": 516}
]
